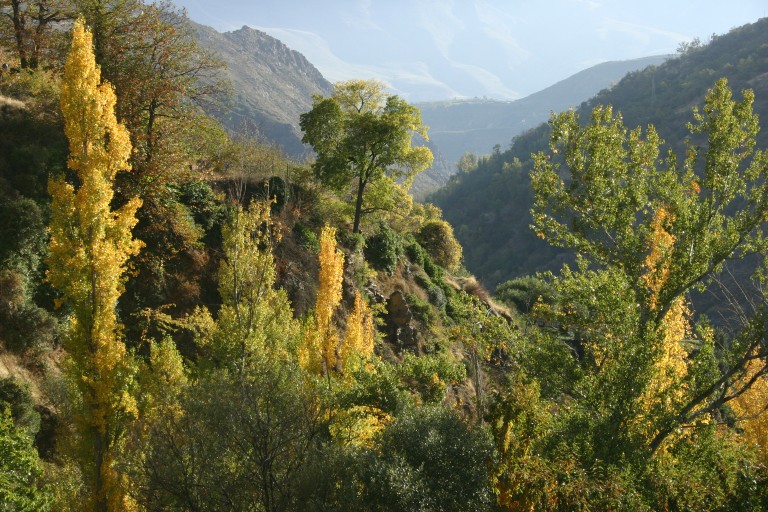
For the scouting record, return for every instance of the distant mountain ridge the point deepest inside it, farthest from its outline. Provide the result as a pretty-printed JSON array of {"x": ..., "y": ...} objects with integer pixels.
[
  {"x": 272, "y": 85},
  {"x": 461, "y": 126}
]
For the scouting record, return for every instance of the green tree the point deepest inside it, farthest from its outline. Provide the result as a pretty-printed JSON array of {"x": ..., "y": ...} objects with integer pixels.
[
  {"x": 361, "y": 134},
  {"x": 20, "y": 471},
  {"x": 437, "y": 238},
  {"x": 32, "y": 27},
  {"x": 88, "y": 252},
  {"x": 482, "y": 332},
  {"x": 647, "y": 232}
]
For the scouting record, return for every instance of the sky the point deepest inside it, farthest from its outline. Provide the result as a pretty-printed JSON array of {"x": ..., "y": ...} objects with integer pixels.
[{"x": 427, "y": 50}]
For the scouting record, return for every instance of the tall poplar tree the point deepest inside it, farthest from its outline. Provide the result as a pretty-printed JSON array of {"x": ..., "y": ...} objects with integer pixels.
[{"x": 88, "y": 252}]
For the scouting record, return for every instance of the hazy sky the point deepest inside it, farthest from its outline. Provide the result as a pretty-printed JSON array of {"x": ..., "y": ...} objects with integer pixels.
[{"x": 503, "y": 49}]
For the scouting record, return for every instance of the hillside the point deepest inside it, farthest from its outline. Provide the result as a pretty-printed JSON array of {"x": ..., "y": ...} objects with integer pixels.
[
  {"x": 475, "y": 126},
  {"x": 193, "y": 321},
  {"x": 489, "y": 207}
]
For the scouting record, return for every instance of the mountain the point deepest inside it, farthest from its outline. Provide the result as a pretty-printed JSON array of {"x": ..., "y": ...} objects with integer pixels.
[
  {"x": 272, "y": 84},
  {"x": 489, "y": 206},
  {"x": 475, "y": 126}
]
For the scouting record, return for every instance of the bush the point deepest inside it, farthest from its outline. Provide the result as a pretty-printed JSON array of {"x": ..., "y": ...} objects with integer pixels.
[
  {"x": 430, "y": 459},
  {"x": 416, "y": 253},
  {"x": 384, "y": 249},
  {"x": 23, "y": 325},
  {"x": 433, "y": 270},
  {"x": 524, "y": 292},
  {"x": 355, "y": 242},
  {"x": 421, "y": 310},
  {"x": 437, "y": 297},
  {"x": 432, "y": 374},
  {"x": 306, "y": 238},
  {"x": 18, "y": 400},
  {"x": 437, "y": 238}
]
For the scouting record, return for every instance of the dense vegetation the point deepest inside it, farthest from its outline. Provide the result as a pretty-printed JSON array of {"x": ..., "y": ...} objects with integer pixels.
[{"x": 191, "y": 321}]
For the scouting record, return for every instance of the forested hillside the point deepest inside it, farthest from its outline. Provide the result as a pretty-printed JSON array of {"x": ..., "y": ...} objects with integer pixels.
[
  {"x": 191, "y": 320},
  {"x": 489, "y": 206}
]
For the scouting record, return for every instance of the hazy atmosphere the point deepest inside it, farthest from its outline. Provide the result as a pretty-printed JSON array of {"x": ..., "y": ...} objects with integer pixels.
[{"x": 441, "y": 49}]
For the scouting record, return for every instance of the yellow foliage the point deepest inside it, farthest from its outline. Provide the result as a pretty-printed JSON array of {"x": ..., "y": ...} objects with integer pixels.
[
  {"x": 254, "y": 317},
  {"x": 328, "y": 296},
  {"x": 89, "y": 248},
  {"x": 752, "y": 408},
  {"x": 359, "y": 425},
  {"x": 360, "y": 336},
  {"x": 670, "y": 366},
  {"x": 247, "y": 273},
  {"x": 657, "y": 262}
]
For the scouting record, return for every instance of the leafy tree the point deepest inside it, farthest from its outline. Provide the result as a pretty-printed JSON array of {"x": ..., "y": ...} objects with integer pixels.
[
  {"x": 360, "y": 335},
  {"x": 752, "y": 408},
  {"x": 525, "y": 292},
  {"x": 254, "y": 317},
  {"x": 436, "y": 237},
  {"x": 20, "y": 472},
  {"x": 33, "y": 27},
  {"x": 319, "y": 351},
  {"x": 482, "y": 332},
  {"x": 88, "y": 251},
  {"x": 238, "y": 444},
  {"x": 162, "y": 79},
  {"x": 430, "y": 460},
  {"x": 359, "y": 134},
  {"x": 647, "y": 232}
]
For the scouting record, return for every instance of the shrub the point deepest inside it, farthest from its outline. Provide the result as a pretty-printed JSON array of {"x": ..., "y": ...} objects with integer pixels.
[
  {"x": 437, "y": 297},
  {"x": 416, "y": 253},
  {"x": 355, "y": 242},
  {"x": 437, "y": 238},
  {"x": 384, "y": 249},
  {"x": 19, "y": 401},
  {"x": 524, "y": 292},
  {"x": 432, "y": 374},
  {"x": 421, "y": 310},
  {"x": 306, "y": 238},
  {"x": 433, "y": 270},
  {"x": 23, "y": 325}
]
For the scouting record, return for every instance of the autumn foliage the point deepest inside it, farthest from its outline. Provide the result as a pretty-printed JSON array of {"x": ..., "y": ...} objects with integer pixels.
[{"x": 88, "y": 252}]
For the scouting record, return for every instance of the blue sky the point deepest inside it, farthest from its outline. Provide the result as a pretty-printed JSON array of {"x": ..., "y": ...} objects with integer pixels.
[{"x": 501, "y": 49}]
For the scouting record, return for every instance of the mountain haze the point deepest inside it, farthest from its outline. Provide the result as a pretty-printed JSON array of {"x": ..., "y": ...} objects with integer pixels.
[
  {"x": 475, "y": 126},
  {"x": 489, "y": 207},
  {"x": 273, "y": 85}
]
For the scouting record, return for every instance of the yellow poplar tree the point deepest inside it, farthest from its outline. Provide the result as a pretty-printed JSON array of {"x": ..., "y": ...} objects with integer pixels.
[
  {"x": 359, "y": 338},
  {"x": 90, "y": 245},
  {"x": 318, "y": 351}
]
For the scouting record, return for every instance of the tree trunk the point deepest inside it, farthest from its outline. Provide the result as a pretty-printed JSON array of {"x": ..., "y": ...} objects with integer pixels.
[{"x": 359, "y": 204}]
